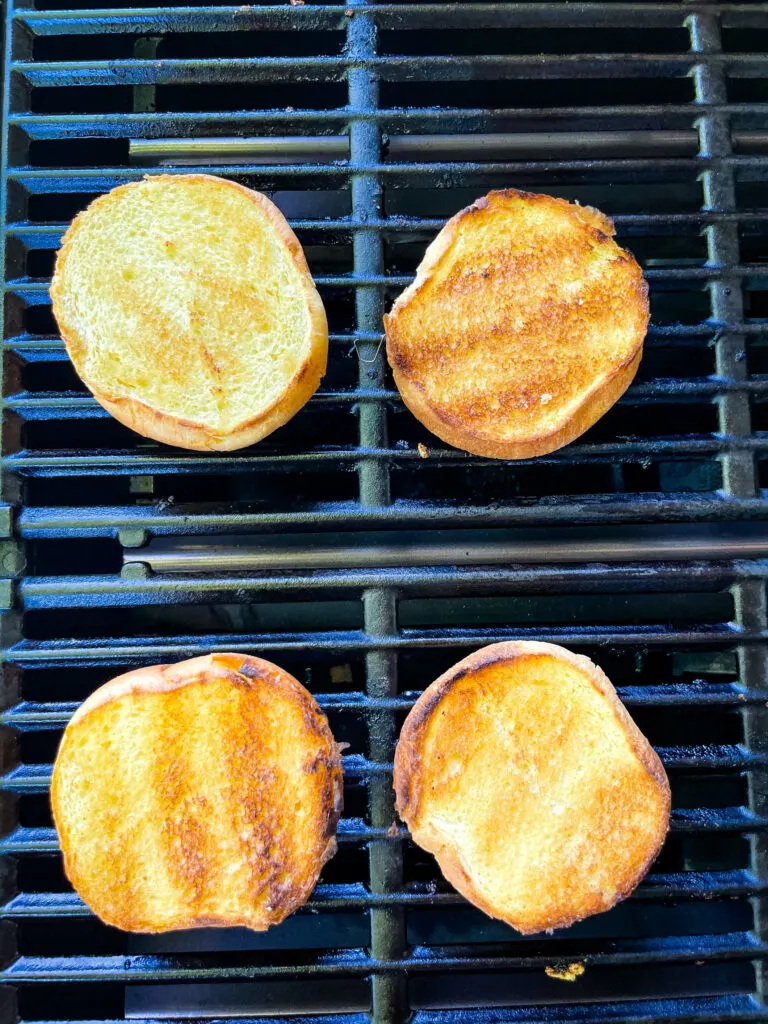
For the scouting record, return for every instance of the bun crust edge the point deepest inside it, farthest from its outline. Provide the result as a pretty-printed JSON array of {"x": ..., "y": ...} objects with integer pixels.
[
  {"x": 409, "y": 781},
  {"x": 604, "y": 394},
  {"x": 174, "y": 430},
  {"x": 595, "y": 405},
  {"x": 243, "y": 669}
]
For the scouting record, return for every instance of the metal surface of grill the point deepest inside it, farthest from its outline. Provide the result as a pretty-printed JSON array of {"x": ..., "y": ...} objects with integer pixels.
[{"x": 352, "y": 547}]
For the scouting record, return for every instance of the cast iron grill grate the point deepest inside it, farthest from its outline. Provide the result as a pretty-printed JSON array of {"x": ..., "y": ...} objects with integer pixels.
[{"x": 370, "y": 124}]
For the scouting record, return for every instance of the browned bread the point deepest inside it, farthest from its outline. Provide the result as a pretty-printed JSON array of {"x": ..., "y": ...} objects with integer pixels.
[
  {"x": 187, "y": 307},
  {"x": 522, "y": 772},
  {"x": 524, "y": 324},
  {"x": 203, "y": 793}
]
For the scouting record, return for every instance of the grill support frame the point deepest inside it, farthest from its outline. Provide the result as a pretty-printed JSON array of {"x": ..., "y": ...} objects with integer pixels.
[{"x": 381, "y": 641}]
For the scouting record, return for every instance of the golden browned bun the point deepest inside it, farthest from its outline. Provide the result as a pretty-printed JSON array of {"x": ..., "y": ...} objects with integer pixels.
[
  {"x": 200, "y": 794},
  {"x": 522, "y": 772},
  {"x": 524, "y": 324},
  {"x": 187, "y": 307}
]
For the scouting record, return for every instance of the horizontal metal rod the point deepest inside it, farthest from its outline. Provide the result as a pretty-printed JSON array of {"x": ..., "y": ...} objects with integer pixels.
[
  {"x": 49, "y": 235},
  {"x": 680, "y": 887},
  {"x": 491, "y": 146},
  {"x": 66, "y": 462},
  {"x": 61, "y": 522},
  {"x": 75, "y": 406},
  {"x": 139, "y": 588},
  {"x": 47, "y": 407},
  {"x": 202, "y": 967},
  {"x": 185, "y": 123},
  {"x": 672, "y": 542},
  {"x": 151, "y": 650},
  {"x": 457, "y": 67},
  {"x": 285, "y": 149},
  {"x": 388, "y": 16},
  {"x": 44, "y": 181}
]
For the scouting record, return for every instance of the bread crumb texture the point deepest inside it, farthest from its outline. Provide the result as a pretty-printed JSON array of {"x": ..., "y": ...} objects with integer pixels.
[
  {"x": 525, "y": 776},
  {"x": 182, "y": 293},
  {"x": 208, "y": 797},
  {"x": 523, "y": 307}
]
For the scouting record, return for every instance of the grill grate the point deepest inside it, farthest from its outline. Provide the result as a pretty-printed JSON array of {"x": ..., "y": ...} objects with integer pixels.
[{"x": 370, "y": 124}]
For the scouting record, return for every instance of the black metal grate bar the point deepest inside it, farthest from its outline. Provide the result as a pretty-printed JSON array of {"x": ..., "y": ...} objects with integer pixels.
[
  {"x": 351, "y": 963},
  {"x": 63, "y": 522},
  {"x": 682, "y": 886},
  {"x": 417, "y": 16},
  {"x": 146, "y": 649},
  {"x": 202, "y": 124},
  {"x": 324, "y": 69},
  {"x": 67, "y": 463},
  {"x": 389, "y": 1001},
  {"x": 136, "y": 590}
]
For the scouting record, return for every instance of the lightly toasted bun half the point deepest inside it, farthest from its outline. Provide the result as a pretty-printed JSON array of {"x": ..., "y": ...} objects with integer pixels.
[
  {"x": 522, "y": 772},
  {"x": 187, "y": 307},
  {"x": 205, "y": 793},
  {"x": 523, "y": 326}
]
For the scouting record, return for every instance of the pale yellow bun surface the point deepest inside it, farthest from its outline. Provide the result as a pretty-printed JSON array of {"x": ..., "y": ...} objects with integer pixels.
[
  {"x": 187, "y": 307},
  {"x": 522, "y": 772},
  {"x": 205, "y": 793},
  {"x": 523, "y": 326}
]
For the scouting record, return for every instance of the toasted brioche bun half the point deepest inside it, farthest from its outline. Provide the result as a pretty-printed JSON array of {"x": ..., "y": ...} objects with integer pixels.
[
  {"x": 522, "y": 772},
  {"x": 187, "y": 307},
  {"x": 205, "y": 793},
  {"x": 524, "y": 324}
]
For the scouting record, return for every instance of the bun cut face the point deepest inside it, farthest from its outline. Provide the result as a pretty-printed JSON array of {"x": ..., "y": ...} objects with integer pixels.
[
  {"x": 205, "y": 793},
  {"x": 522, "y": 772},
  {"x": 187, "y": 307},
  {"x": 523, "y": 326}
]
